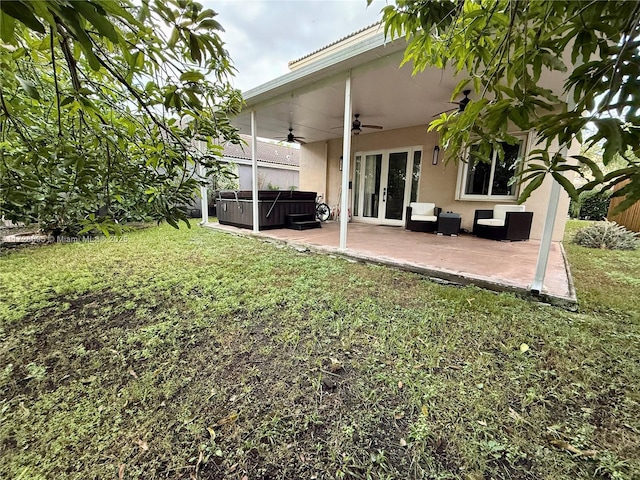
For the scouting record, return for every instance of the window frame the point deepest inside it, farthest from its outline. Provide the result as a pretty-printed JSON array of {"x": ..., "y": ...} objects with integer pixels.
[{"x": 463, "y": 173}]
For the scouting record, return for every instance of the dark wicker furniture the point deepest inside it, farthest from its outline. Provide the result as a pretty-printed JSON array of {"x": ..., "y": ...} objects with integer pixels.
[
  {"x": 448, "y": 223},
  {"x": 421, "y": 225},
  {"x": 516, "y": 227}
]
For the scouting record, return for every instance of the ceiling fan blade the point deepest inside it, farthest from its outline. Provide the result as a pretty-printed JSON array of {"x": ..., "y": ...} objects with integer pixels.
[
  {"x": 300, "y": 141},
  {"x": 377, "y": 127},
  {"x": 445, "y": 111}
]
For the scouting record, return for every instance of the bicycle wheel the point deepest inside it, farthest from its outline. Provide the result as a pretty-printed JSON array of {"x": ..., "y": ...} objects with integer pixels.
[{"x": 323, "y": 212}]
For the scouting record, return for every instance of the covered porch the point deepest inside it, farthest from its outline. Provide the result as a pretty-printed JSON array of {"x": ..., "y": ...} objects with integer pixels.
[
  {"x": 361, "y": 121},
  {"x": 465, "y": 259}
]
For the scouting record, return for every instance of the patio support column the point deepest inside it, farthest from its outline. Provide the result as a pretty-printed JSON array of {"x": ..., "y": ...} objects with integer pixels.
[
  {"x": 547, "y": 235},
  {"x": 254, "y": 172},
  {"x": 346, "y": 161},
  {"x": 204, "y": 200},
  {"x": 550, "y": 219}
]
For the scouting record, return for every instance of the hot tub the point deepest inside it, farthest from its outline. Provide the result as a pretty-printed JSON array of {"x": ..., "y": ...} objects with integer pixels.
[{"x": 234, "y": 207}]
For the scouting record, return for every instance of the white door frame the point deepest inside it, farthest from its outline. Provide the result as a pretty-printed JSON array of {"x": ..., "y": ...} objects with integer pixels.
[{"x": 384, "y": 174}]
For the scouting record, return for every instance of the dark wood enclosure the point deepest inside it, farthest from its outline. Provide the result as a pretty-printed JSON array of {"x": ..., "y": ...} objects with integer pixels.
[{"x": 235, "y": 207}]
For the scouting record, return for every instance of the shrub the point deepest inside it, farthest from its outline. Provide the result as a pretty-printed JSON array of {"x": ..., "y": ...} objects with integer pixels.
[
  {"x": 591, "y": 205},
  {"x": 606, "y": 235}
]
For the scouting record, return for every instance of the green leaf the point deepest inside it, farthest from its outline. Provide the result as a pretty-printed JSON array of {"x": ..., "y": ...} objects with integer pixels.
[
  {"x": 28, "y": 87},
  {"x": 22, "y": 12},
  {"x": 210, "y": 24},
  {"x": 175, "y": 36},
  {"x": 194, "y": 46},
  {"x": 7, "y": 26},
  {"x": 67, "y": 101},
  {"x": 191, "y": 76},
  {"x": 593, "y": 166},
  {"x": 566, "y": 184},
  {"x": 462, "y": 84},
  {"x": 88, "y": 227},
  {"x": 531, "y": 186},
  {"x": 102, "y": 24},
  {"x": 73, "y": 23}
]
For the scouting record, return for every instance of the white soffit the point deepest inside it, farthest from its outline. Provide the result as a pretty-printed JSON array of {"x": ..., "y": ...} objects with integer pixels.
[{"x": 310, "y": 99}]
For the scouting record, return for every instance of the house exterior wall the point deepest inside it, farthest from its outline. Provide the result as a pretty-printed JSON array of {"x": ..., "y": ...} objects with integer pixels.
[
  {"x": 319, "y": 171},
  {"x": 314, "y": 168}
]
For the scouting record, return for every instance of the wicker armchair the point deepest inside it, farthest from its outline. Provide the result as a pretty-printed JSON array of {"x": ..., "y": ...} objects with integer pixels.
[
  {"x": 504, "y": 222},
  {"x": 422, "y": 217}
]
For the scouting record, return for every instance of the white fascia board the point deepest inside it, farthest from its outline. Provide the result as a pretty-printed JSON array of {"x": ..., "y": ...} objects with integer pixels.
[{"x": 342, "y": 60}]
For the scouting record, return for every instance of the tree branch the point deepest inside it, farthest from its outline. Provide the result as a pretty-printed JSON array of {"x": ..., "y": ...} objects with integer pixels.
[{"x": 55, "y": 80}]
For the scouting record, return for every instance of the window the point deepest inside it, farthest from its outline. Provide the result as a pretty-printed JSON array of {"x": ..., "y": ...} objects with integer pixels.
[{"x": 483, "y": 180}]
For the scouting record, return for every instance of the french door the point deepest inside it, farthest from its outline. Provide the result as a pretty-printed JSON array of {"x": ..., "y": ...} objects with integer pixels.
[{"x": 384, "y": 183}]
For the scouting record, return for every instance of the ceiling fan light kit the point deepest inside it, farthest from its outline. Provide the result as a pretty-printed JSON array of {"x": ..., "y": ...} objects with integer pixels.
[
  {"x": 291, "y": 138},
  {"x": 357, "y": 126},
  {"x": 462, "y": 104}
]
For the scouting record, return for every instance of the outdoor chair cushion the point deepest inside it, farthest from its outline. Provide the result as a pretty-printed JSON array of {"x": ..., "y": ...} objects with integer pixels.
[
  {"x": 424, "y": 218},
  {"x": 492, "y": 222},
  {"x": 423, "y": 212},
  {"x": 500, "y": 211},
  {"x": 500, "y": 214}
]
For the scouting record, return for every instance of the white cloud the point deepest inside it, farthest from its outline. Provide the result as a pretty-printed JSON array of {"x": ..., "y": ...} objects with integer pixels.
[{"x": 262, "y": 36}]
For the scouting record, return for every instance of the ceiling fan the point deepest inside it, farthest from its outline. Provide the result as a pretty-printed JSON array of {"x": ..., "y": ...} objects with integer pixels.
[
  {"x": 357, "y": 125},
  {"x": 291, "y": 138},
  {"x": 462, "y": 104}
]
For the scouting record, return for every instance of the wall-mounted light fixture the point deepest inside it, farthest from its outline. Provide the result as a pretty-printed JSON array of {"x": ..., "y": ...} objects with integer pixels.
[
  {"x": 436, "y": 154},
  {"x": 340, "y": 162}
]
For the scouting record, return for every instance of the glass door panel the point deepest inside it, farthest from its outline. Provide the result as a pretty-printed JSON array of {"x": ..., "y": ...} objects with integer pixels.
[
  {"x": 371, "y": 190},
  {"x": 415, "y": 178},
  {"x": 356, "y": 186},
  {"x": 396, "y": 183}
]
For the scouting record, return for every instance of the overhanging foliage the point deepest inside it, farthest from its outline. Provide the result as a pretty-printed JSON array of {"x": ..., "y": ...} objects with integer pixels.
[
  {"x": 503, "y": 48},
  {"x": 102, "y": 104}
]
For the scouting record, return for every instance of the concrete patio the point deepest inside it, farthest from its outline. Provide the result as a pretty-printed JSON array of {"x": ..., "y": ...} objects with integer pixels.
[{"x": 465, "y": 259}]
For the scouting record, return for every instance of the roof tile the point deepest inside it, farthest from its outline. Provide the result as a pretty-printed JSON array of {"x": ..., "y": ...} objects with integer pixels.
[{"x": 280, "y": 154}]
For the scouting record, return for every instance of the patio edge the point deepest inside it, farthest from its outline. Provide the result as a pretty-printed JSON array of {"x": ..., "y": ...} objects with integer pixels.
[{"x": 438, "y": 276}]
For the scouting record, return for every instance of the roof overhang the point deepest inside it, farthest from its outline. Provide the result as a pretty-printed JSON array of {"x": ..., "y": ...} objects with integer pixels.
[{"x": 310, "y": 99}]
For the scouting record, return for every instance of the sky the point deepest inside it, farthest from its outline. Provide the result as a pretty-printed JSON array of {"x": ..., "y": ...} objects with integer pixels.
[{"x": 262, "y": 36}]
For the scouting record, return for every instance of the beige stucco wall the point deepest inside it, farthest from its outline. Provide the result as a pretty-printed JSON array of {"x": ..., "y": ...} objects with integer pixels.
[
  {"x": 319, "y": 171},
  {"x": 315, "y": 168}
]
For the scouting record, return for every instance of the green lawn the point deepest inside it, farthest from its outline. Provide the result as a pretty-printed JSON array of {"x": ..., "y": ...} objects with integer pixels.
[
  {"x": 606, "y": 280},
  {"x": 196, "y": 354}
]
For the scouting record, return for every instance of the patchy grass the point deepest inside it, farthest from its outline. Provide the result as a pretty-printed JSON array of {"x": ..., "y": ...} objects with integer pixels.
[
  {"x": 195, "y": 354},
  {"x": 606, "y": 280}
]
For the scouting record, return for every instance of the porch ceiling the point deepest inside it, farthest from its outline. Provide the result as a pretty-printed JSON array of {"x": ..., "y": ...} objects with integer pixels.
[{"x": 310, "y": 99}]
